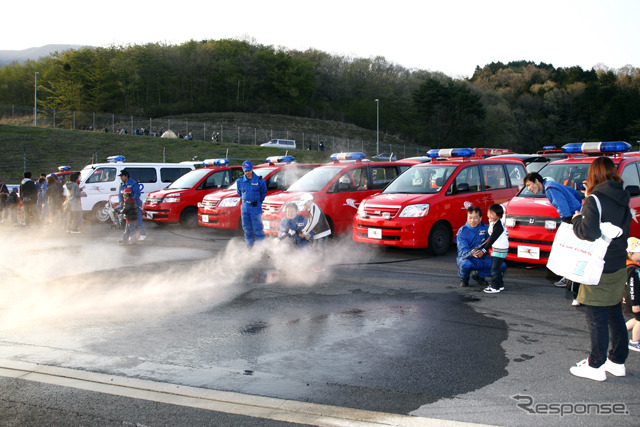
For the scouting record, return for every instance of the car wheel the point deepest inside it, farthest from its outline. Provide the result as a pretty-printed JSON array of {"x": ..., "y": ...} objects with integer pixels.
[
  {"x": 189, "y": 217},
  {"x": 439, "y": 238},
  {"x": 100, "y": 212}
]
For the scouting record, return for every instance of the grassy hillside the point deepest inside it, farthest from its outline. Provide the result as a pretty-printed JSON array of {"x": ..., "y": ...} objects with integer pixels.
[{"x": 43, "y": 150}]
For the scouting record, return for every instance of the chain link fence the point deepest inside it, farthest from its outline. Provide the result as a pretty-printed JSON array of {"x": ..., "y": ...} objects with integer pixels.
[{"x": 199, "y": 131}]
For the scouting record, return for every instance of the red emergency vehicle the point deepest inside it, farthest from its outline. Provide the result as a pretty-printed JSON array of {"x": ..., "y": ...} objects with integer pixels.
[
  {"x": 222, "y": 208},
  {"x": 426, "y": 205},
  {"x": 178, "y": 203},
  {"x": 531, "y": 219},
  {"x": 337, "y": 188}
]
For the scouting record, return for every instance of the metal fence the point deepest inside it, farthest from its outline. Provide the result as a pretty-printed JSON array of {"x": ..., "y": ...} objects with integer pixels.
[{"x": 199, "y": 131}]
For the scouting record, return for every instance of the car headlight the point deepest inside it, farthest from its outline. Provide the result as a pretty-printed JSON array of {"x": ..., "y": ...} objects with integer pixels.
[
  {"x": 229, "y": 202},
  {"x": 361, "y": 211},
  {"x": 413, "y": 211},
  {"x": 510, "y": 222},
  {"x": 550, "y": 225},
  {"x": 171, "y": 198}
]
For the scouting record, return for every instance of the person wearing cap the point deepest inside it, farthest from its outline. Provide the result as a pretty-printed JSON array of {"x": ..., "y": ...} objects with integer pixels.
[
  {"x": 317, "y": 226},
  {"x": 130, "y": 212},
  {"x": 252, "y": 190},
  {"x": 136, "y": 191},
  {"x": 631, "y": 299}
]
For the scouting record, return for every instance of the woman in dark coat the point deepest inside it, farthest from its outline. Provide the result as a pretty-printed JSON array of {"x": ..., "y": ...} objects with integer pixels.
[{"x": 603, "y": 302}]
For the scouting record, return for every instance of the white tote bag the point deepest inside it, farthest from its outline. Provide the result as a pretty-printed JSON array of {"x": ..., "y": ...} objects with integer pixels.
[{"x": 580, "y": 260}]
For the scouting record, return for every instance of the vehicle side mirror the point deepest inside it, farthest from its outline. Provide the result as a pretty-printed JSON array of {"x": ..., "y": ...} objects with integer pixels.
[
  {"x": 462, "y": 187},
  {"x": 633, "y": 190}
]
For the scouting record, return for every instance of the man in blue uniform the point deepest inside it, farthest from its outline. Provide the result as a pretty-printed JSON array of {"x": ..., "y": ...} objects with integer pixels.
[
  {"x": 252, "y": 190},
  {"x": 469, "y": 238},
  {"x": 136, "y": 191}
]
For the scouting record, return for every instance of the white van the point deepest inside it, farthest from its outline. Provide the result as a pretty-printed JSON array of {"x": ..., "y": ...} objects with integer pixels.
[
  {"x": 280, "y": 143},
  {"x": 100, "y": 180}
]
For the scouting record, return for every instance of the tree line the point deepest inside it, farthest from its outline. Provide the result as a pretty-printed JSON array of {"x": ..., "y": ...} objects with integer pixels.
[{"x": 520, "y": 105}]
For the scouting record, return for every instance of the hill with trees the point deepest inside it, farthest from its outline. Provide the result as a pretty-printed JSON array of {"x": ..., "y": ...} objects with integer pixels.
[{"x": 520, "y": 105}]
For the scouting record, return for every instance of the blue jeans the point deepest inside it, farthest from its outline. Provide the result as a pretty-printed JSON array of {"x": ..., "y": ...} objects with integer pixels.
[{"x": 607, "y": 322}]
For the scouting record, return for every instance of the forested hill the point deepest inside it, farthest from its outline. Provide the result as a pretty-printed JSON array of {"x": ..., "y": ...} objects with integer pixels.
[{"x": 521, "y": 105}]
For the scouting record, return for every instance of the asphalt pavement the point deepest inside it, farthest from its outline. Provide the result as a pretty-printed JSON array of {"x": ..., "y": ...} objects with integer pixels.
[{"x": 191, "y": 328}]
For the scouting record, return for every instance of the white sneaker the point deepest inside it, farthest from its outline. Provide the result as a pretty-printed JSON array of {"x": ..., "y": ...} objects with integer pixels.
[
  {"x": 142, "y": 237},
  {"x": 634, "y": 345},
  {"x": 575, "y": 303},
  {"x": 582, "y": 369},
  {"x": 616, "y": 369}
]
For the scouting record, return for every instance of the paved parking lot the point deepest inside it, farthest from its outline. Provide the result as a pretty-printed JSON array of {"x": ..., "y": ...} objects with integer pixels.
[{"x": 382, "y": 336}]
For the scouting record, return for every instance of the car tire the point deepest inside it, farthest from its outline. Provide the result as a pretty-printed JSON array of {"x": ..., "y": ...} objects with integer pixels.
[
  {"x": 439, "y": 238},
  {"x": 100, "y": 212},
  {"x": 189, "y": 217}
]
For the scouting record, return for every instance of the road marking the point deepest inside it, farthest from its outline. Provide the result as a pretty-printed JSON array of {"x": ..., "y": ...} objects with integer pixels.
[{"x": 213, "y": 400}]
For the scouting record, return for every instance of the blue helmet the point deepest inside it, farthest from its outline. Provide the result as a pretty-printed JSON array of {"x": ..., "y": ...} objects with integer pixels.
[{"x": 247, "y": 166}]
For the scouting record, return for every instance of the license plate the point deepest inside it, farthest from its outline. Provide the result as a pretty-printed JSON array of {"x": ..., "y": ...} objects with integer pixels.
[
  {"x": 205, "y": 218},
  {"x": 149, "y": 215},
  {"x": 265, "y": 225},
  {"x": 374, "y": 233},
  {"x": 528, "y": 252}
]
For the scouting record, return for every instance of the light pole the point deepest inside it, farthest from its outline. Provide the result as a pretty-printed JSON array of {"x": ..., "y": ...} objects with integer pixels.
[
  {"x": 377, "y": 126},
  {"x": 35, "y": 100}
]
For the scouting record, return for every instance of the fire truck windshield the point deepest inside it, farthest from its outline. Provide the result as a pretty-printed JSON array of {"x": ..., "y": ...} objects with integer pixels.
[
  {"x": 421, "y": 180},
  {"x": 315, "y": 180},
  {"x": 571, "y": 174}
]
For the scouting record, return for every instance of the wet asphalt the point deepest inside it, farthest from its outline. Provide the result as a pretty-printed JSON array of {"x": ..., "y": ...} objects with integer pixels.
[{"x": 385, "y": 330}]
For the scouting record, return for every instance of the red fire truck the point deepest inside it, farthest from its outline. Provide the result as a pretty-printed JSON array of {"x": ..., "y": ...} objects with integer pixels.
[
  {"x": 531, "y": 219},
  {"x": 426, "y": 205},
  {"x": 178, "y": 203},
  {"x": 222, "y": 208},
  {"x": 337, "y": 188}
]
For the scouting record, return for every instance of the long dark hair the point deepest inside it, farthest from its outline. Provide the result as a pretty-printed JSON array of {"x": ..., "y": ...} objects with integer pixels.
[{"x": 602, "y": 169}]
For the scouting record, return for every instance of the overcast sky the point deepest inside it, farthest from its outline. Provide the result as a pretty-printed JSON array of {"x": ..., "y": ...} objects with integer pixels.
[{"x": 451, "y": 36}]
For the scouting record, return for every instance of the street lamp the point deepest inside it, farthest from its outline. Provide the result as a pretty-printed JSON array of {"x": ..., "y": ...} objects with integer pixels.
[
  {"x": 377, "y": 126},
  {"x": 35, "y": 100}
]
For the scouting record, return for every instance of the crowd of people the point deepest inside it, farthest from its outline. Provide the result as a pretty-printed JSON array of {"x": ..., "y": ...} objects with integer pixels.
[
  {"x": 482, "y": 248},
  {"x": 47, "y": 200},
  {"x": 619, "y": 285}
]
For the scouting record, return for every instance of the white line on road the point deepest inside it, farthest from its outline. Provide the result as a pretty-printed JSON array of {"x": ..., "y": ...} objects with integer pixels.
[{"x": 214, "y": 400}]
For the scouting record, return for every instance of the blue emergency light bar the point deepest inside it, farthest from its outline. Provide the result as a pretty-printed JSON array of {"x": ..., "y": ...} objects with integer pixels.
[
  {"x": 336, "y": 157},
  {"x": 64, "y": 168},
  {"x": 451, "y": 152},
  {"x": 114, "y": 159},
  {"x": 280, "y": 159},
  {"x": 549, "y": 147},
  {"x": 596, "y": 147},
  {"x": 215, "y": 162}
]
